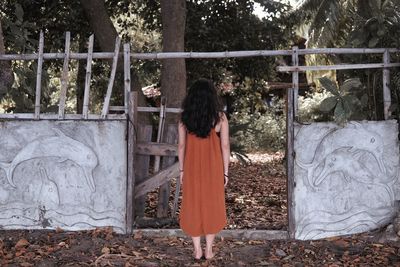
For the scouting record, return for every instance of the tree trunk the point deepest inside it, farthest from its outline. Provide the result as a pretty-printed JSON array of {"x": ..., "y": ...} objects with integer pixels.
[
  {"x": 105, "y": 34},
  {"x": 173, "y": 77},
  {"x": 173, "y": 71},
  {"x": 101, "y": 23},
  {"x": 6, "y": 75}
]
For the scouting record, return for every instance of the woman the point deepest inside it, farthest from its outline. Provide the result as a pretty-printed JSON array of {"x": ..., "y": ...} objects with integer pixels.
[{"x": 203, "y": 161}]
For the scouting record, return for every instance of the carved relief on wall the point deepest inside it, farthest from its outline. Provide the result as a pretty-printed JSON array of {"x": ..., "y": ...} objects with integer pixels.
[
  {"x": 345, "y": 177},
  {"x": 59, "y": 175}
]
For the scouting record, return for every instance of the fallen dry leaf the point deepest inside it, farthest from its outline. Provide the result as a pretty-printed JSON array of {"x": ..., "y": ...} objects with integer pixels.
[{"x": 22, "y": 243}]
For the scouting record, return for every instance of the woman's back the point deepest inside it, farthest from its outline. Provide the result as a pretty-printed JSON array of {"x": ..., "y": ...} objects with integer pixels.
[
  {"x": 203, "y": 153},
  {"x": 203, "y": 206}
]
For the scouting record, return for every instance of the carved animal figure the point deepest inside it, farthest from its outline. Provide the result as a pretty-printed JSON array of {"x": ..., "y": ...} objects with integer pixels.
[
  {"x": 342, "y": 160},
  {"x": 59, "y": 146},
  {"x": 354, "y": 136}
]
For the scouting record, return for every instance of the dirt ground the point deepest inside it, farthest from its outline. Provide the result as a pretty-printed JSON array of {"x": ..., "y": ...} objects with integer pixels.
[{"x": 101, "y": 247}]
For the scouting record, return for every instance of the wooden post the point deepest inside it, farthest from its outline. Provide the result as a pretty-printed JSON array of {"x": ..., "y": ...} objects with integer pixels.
[
  {"x": 160, "y": 132},
  {"x": 132, "y": 123},
  {"x": 176, "y": 197},
  {"x": 142, "y": 169},
  {"x": 290, "y": 161},
  {"x": 85, "y": 109},
  {"x": 127, "y": 74},
  {"x": 39, "y": 76},
  {"x": 295, "y": 79},
  {"x": 112, "y": 78},
  {"x": 157, "y": 180},
  {"x": 165, "y": 189},
  {"x": 386, "y": 86},
  {"x": 64, "y": 77}
]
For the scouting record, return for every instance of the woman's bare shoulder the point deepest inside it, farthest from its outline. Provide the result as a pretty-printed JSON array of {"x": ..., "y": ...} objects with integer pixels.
[{"x": 222, "y": 116}]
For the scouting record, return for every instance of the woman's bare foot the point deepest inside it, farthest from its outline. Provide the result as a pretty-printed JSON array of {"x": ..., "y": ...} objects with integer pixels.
[
  {"x": 198, "y": 254},
  {"x": 209, "y": 244},
  {"x": 209, "y": 254}
]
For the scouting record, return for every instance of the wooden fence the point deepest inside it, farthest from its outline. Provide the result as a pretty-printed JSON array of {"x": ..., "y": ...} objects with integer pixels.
[{"x": 140, "y": 147}]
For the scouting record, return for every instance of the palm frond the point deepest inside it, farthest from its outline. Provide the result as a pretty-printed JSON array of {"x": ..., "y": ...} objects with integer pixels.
[{"x": 324, "y": 25}]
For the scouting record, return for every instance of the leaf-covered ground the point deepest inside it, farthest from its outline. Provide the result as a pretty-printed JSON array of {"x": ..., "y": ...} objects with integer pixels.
[
  {"x": 101, "y": 247},
  {"x": 255, "y": 196},
  {"x": 256, "y": 199}
]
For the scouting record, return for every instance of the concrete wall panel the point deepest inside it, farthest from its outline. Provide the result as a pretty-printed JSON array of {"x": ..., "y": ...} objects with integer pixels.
[
  {"x": 347, "y": 178},
  {"x": 67, "y": 174}
]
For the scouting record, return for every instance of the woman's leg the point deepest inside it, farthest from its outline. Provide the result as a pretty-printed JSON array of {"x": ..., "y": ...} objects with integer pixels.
[
  {"x": 198, "y": 253},
  {"x": 209, "y": 244}
]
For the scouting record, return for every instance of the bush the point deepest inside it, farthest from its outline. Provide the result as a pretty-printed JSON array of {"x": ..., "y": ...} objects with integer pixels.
[
  {"x": 258, "y": 131},
  {"x": 309, "y": 107}
]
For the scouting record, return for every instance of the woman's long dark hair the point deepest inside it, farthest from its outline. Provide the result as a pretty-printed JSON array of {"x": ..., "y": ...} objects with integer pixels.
[{"x": 201, "y": 108}]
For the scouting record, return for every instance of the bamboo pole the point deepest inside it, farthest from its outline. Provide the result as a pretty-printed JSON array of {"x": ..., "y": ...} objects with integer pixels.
[
  {"x": 127, "y": 74},
  {"x": 31, "y": 116},
  {"x": 386, "y": 86},
  {"x": 227, "y": 54},
  {"x": 39, "y": 76},
  {"x": 339, "y": 67},
  {"x": 112, "y": 78},
  {"x": 85, "y": 109},
  {"x": 295, "y": 79},
  {"x": 64, "y": 77}
]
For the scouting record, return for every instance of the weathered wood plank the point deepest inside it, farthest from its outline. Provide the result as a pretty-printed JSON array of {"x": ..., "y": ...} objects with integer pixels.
[
  {"x": 39, "y": 76},
  {"x": 165, "y": 189},
  {"x": 295, "y": 79},
  {"x": 160, "y": 131},
  {"x": 144, "y": 133},
  {"x": 130, "y": 200},
  {"x": 64, "y": 77},
  {"x": 107, "y": 99},
  {"x": 290, "y": 161},
  {"x": 157, "y": 149},
  {"x": 88, "y": 76},
  {"x": 116, "y": 108},
  {"x": 387, "y": 101},
  {"x": 176, "y": 197},
  {"x": 157, "y": 109},
  {"x": 127, "y": 74},
  {"x": 157, "y": 180}
]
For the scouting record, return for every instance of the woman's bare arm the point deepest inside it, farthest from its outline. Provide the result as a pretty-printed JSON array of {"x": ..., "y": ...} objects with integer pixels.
[
  {"x": 181, "y": 148},
  {"x": 225, "y": 146}
]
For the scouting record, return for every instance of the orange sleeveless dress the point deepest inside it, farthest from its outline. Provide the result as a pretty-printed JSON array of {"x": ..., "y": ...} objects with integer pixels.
[{"x": 203, "y": 201}]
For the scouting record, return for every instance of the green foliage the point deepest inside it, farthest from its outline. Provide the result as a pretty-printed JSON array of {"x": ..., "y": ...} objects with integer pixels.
[
  {"x": 346, "y": 102},
  {"x": 309, "y": 107},
  {"x": 230, "y": 26},
  {"x": 376, "y": 24},
  {"x": 258, "y": 131}
]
